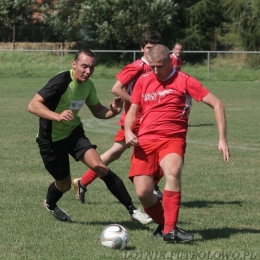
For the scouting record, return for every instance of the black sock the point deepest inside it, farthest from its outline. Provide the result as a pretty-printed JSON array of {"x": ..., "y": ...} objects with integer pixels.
[
  {"x": 118, "y": 189},
  {"x": 131, "y": 209},
  {"x": 53, "y": 195}
]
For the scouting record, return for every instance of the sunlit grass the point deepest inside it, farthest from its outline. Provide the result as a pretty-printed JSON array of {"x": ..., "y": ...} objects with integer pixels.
[
  {"x": 220, "y": 201},
  {"x": 225, "y": 67}
]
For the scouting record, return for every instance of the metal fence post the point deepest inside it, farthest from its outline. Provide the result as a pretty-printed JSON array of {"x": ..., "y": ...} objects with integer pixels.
[
  {"x": 61, "y": 60},
  {"x": 208, "y": 65}
]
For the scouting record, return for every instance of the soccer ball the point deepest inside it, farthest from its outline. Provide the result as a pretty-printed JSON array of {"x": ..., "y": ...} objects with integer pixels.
[{"x": 114, "y": 236}]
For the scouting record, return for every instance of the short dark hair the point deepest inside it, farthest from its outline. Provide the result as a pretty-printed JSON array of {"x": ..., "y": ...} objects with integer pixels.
[
  {"x": 85, "y": 51},
  {"x": 152, "y": 37},
  {"x": 177, "y": 43},
  {"x": 159, "y": 51}
]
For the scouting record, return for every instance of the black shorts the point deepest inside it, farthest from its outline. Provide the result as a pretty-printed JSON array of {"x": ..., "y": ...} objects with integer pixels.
[{"x": 55, "y": 155}]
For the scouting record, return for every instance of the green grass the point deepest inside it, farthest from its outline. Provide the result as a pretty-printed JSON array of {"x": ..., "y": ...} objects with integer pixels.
[
  {"x": 44, "y": 65},
  {"x": 226, "y": 67},
  {"x": 220, "y": 201}
]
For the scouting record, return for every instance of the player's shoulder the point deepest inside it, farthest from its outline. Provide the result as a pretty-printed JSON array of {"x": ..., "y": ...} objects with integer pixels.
[
  {"x": 63, "y": 74},
  {"x": 185, "y": 77},
  {"x": 173, "y": 56},
  {"x": 147, "y": 75},
  {"x": 136, "y": 69},
  {"x": 183, "y": 74},
  {"x": 61, "y": 77},
  {"x": 138, "y": 64}
]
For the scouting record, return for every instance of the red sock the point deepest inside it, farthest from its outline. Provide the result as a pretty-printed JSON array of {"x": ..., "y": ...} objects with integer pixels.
[
  {"x": 88, "y": 177},
  {"x": 171, "y": 205},
  {"x": 156, "y": 212}
]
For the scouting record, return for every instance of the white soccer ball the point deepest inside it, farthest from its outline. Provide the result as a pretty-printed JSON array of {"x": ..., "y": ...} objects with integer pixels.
[{"x": 114, "y": 236}]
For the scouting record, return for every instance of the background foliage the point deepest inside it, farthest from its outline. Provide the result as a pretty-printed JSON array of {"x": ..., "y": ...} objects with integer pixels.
[{"x": 108, "y": 24}]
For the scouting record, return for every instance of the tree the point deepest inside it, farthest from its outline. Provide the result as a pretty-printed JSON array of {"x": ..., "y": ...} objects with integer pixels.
[
  {"x": 108, "y": 24},
  {"x": 16, "y": 12},
  {"x": 62, "y": 16},
  {"x": 201, "y": 21},
  {"x": 113, "y": 25},
  {"x": 244, "y": 16}
]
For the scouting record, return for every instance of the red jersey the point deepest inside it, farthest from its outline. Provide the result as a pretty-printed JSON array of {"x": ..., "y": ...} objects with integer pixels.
[
  {"x": 176, "y": 62},
  {"x": 165, "y": 105},
  {"x": 128, "y": 76}
]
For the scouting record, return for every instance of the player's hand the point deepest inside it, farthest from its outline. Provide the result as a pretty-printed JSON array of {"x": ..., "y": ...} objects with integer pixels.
[
  {"x": 66, "y": 115},
  {"x": 131, "y": 139},
  {"x": 223, "y": 148},
  {"x": 117, "y": 105}
]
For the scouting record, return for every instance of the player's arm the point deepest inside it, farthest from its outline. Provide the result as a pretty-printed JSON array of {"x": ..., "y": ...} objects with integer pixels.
[
  {"x": 119, "y": 90},
  {"x": 219, "y": 110},
  {"x": 102, "y": 112},
  {"x": 130, "y": 121},
  {"x": 37, "y": 107}
]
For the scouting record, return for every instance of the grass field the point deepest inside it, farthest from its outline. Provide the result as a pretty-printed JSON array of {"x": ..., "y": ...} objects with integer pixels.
[
  {"x": 220, "y": 202},
  {"x": 228, "y": 67}
]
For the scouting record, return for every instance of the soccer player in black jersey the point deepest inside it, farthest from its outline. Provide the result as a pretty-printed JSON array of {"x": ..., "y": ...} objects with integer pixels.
[{"x": 61, "y": 132}]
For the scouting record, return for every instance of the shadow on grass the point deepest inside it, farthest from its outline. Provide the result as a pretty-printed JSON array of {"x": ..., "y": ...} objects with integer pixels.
[
  {"x": 206, "y": 234},
  {"x": 200, "y": 125},
  {"x": 207, "y": 204},
  {"x": 226, "y": 232},
  {"x": 129, "y": 225}
]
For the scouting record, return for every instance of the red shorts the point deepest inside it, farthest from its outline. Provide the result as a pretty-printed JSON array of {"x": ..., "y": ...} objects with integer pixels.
[
  {"x": 120, "y": 135},
  {"x": 147, "y": 156}
]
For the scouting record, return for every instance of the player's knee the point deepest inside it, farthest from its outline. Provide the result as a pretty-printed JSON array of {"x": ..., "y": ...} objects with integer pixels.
[
  {"x": 174, "y": 173},
  {"x": 143, "y": 193},
  {"x": 100, "y": 170},
  {"x": 67, "y": 187},
  {"x": 64, "y": 187}
]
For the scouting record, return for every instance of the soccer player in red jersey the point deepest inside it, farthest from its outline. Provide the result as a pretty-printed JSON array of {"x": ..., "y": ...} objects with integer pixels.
[
  {"x": 176, "y": 56},
  {"x": 163, "y": 98},
  {"x": 123, "y": 88}
]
